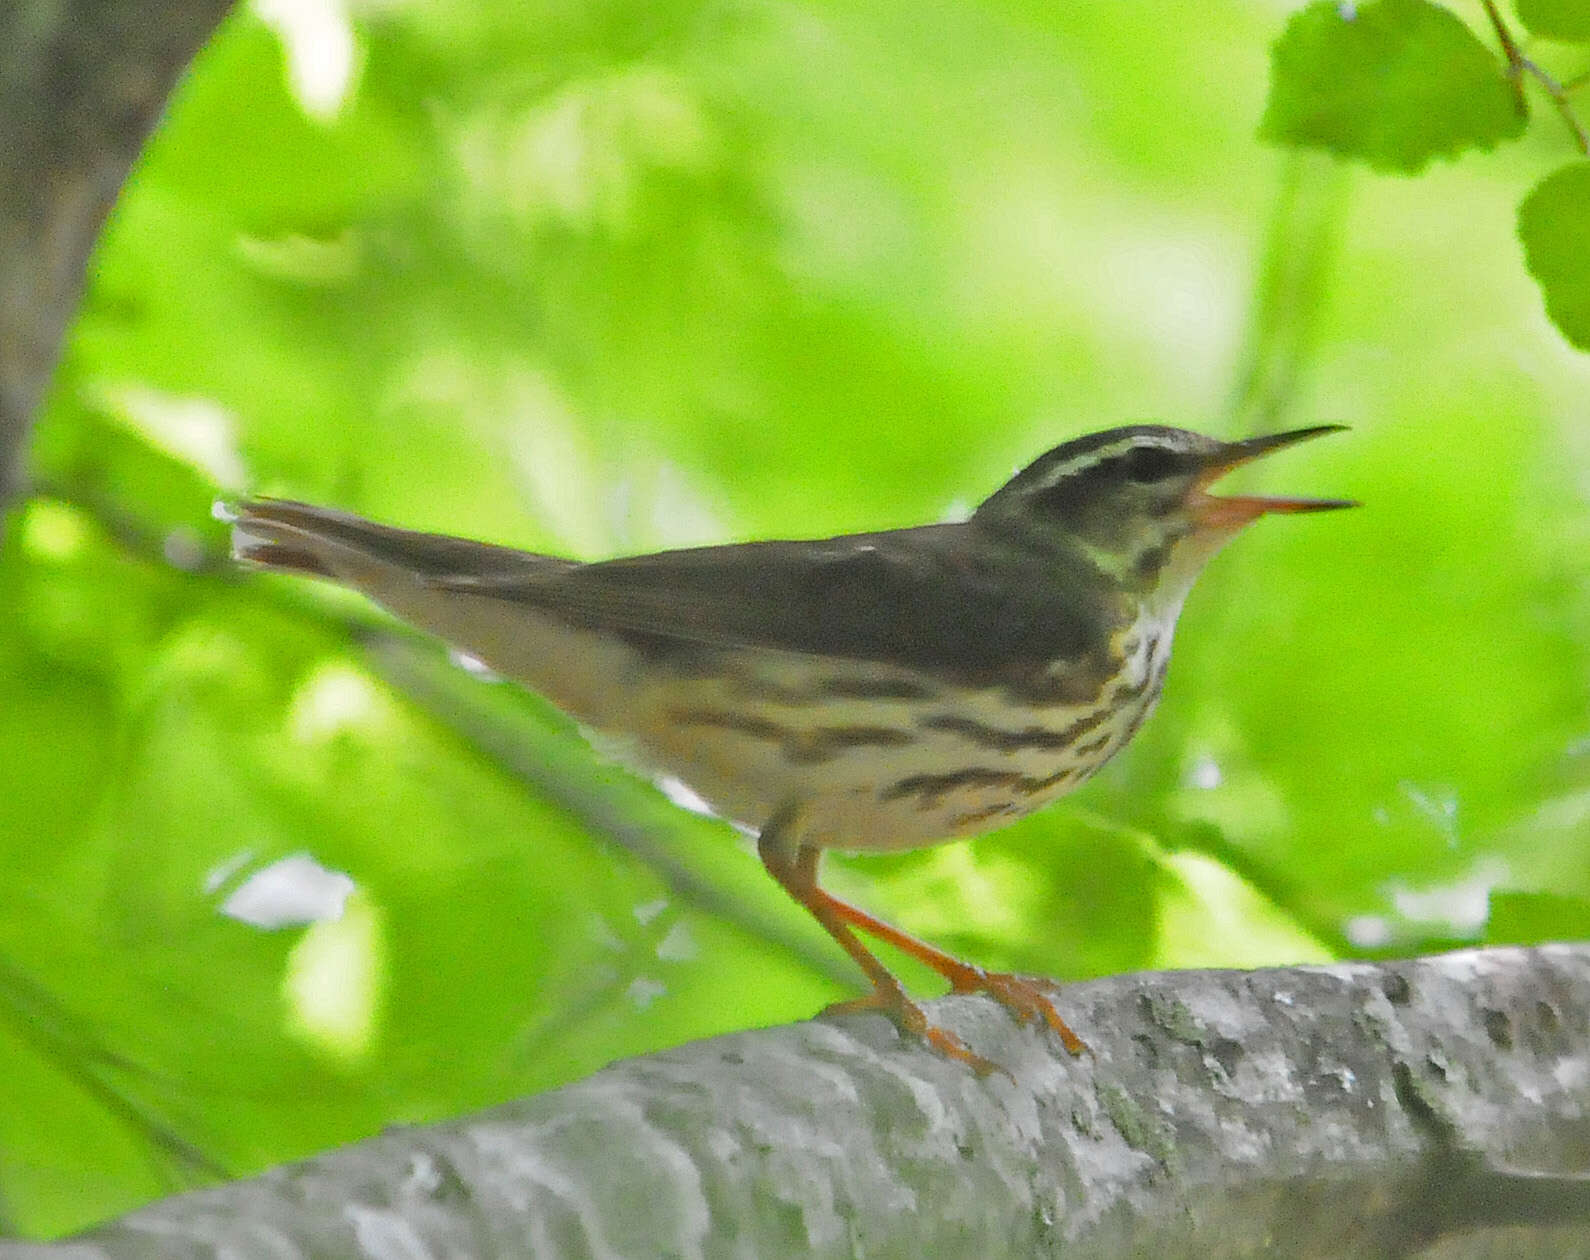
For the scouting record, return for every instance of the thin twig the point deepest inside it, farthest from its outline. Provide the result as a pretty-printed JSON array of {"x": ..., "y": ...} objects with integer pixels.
[
  {"x": 1519, "y": 65},
  {"x": 1510, "y": 50},
  {"x": 71, "y": 1044}
]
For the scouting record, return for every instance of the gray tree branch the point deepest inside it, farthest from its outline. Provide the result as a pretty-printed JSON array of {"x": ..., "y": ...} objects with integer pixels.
[
  {"x": 82, "y": 82},
  {"x": 1435, "y": 1107}
]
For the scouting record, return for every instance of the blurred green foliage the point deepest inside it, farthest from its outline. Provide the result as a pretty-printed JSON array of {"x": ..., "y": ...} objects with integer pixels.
[{"x": 612, "y": 276}]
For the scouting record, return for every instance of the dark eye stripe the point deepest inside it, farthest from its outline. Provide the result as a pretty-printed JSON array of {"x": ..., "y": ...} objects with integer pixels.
[{"x": 1150, "y": 463}]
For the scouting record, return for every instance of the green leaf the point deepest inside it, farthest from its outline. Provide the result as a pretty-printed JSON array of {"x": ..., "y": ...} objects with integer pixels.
[
  {"x": 1209, "y": 916},
  {"x": 269, "y": 167},
  {"x": 1567, "y": 20},
  {"x": 1393, "y": 85},
  {"x": 1535, "y": 918},
  {"x": 1554, "y": 225}
]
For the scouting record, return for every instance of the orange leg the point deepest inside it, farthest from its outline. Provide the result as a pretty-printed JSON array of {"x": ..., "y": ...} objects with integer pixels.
[
  {"x": 1021, "y": 996},
  {"x": 798, "y": 876}
]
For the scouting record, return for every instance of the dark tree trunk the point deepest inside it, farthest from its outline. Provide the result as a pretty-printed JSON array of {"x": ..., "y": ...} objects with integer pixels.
[{"x": 82, "y": 82}]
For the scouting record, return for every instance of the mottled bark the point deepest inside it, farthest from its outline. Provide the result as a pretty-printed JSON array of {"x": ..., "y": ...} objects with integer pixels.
[
  {"x": 82, "y": 82},
  {"x": 1434, "y": 1107}
]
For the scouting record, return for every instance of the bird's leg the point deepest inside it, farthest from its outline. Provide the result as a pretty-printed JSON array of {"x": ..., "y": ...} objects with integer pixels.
[
  {"x": 1021, "y": 996},
  {"x": 797, "y": 875}
]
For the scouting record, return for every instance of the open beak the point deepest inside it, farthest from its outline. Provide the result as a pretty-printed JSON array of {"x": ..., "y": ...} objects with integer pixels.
[{"x": 1234, "y": 511}]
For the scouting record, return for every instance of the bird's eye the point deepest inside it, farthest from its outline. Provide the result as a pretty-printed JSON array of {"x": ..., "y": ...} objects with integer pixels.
[{"x": 1149, "y": 463}]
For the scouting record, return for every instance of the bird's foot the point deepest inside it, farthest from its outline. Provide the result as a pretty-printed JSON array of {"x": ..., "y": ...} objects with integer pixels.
[
  {"x": 910, "y": 1018},
  {"x": 1022, "y": 996}
]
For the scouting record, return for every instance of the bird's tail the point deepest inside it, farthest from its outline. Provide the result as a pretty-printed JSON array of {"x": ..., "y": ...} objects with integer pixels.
[
  {"x": 328, "y": 543},
  {"x": 468, "y": 593},
  {"x": 264, "y": 533}
]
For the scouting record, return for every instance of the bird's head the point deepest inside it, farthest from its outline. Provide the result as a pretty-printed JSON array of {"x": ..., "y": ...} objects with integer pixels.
[{"x": 1135, "y": 501}]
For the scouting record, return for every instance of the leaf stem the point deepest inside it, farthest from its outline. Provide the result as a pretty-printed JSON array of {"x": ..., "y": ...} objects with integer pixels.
[{"x": 1518, "y": 65}]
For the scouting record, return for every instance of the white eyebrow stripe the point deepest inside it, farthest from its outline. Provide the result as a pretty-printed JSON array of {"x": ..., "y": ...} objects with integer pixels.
[{"x": 1090, "y": 459}]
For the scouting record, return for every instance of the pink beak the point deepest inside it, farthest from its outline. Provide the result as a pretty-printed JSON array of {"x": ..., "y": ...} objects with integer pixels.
[{"x": 1234, "y": 511}]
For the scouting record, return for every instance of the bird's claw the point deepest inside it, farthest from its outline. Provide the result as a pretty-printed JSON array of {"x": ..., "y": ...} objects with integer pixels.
[
  {"x": 1023, "y": 998},
  {"x": 910, "y": 1018}
]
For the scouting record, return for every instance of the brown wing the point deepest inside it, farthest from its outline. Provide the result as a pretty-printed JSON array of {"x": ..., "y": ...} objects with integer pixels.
[
  {"x": 941, "y": 597},
  {"x": 936, "y": 596}
]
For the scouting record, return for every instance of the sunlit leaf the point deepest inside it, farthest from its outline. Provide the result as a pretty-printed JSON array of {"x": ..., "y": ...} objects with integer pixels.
[
  {"x": 1210, "y": 917},
  {"x": 1393, "y": 83}
]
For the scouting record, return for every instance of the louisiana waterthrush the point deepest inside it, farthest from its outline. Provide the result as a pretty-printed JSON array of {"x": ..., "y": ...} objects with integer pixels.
[{"x": 872, "y": 691}]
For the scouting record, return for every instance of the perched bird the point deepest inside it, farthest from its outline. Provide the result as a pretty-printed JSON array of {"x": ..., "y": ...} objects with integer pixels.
[{"x": 869, "y": 692}]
